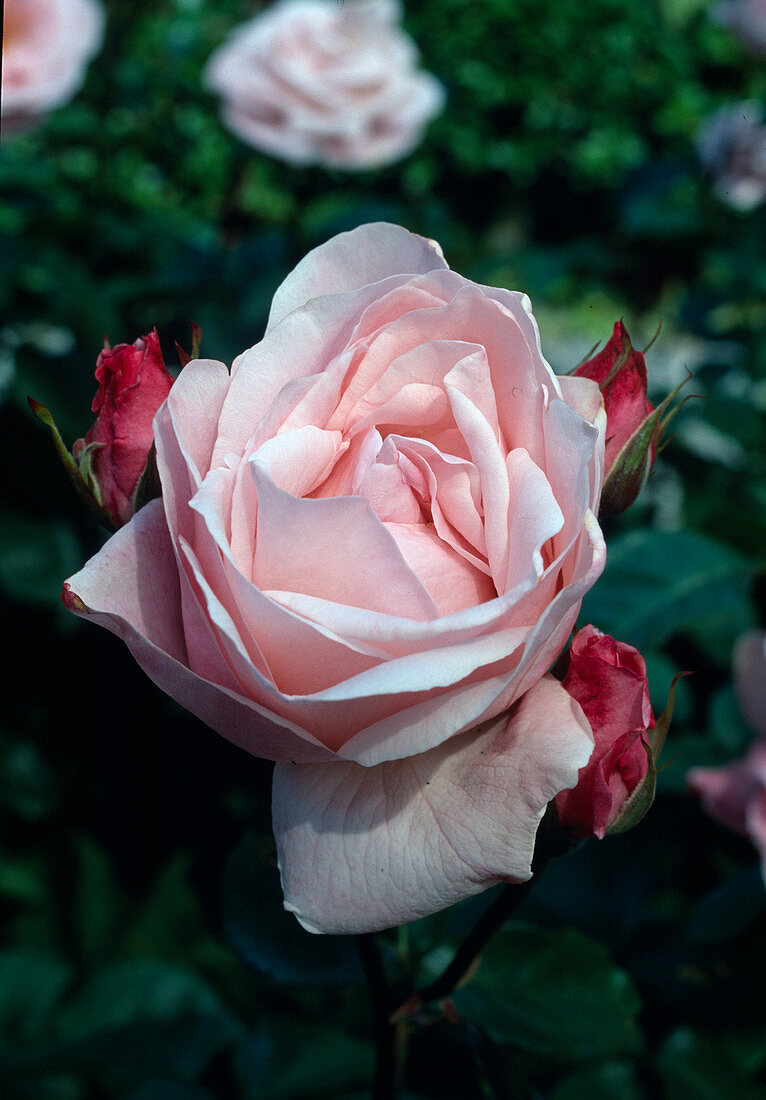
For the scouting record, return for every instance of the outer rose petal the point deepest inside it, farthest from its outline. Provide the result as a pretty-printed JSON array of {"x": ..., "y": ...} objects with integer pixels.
[
  {"x": 366, "y": 848},
  {"x": 350, "y": 261},
  {"x": 142, "y": 606}
]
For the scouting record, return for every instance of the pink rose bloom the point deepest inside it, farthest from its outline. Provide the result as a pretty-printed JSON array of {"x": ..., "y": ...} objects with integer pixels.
[
  {"x": 736, "y": 795},
  {"x": 732, "y": 148},
  {"x": 747, "y": 20},
  {"x": 133, "y": 383},
  {"x": 46, "y": 46},
  {"x": 322, "y": 82},
  {"x": 608, "y": 680},
  {"x": 374, "y": 536}
]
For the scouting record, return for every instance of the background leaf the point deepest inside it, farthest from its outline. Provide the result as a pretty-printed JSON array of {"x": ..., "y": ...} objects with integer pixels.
[{"x": 553, "y": 993}]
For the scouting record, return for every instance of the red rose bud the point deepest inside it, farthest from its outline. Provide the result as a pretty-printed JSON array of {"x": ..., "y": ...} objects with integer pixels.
[
  {"x": 620, "y": 371},
  {"x": 112, "y": 468},
  {"x": 616, "y": 787},
  {"x": 634, "y": 429}
]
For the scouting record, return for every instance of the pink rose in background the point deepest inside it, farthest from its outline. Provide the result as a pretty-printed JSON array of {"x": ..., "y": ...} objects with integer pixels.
[
  {"x": 747, "y": 20},
  {"x": 133, "y": 383},
  {"x": 749, "y": 665},
  {"x": 321, "y": 82},
  {"x": 374, "y": 535},
  {"x": 735, "y": 795},
  {"x": 608, "y": 680},
  {"x": 46, "y": 46},
  {"x": 732, "y": 147}
]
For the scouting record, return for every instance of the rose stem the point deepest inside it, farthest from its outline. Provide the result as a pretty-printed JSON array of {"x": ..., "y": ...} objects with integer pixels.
[{"x": 384, "y": 1085}]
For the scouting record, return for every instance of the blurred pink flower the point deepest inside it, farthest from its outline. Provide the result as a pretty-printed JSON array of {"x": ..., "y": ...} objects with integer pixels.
[
  {"x": 732, "y": 147},
  {"x": 318, "y": 82},
  {"x": 46, "y": 46},
  {"x": 746, "y": 19},
  {"x": 735, "y": 795},
  {"x": 750, "y": 678}
]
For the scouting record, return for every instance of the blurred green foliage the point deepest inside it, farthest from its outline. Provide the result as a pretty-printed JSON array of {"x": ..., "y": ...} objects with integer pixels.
[{"x": 147, "y": 956}]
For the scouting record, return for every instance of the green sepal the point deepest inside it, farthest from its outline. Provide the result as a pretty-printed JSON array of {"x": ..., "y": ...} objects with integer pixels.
[
  {"x": 640, "y": 800},
  {"x": 78, "y": 472},
  {"x": 196, "y": 340},
  {"x": 631, "y": 467},
  {"x": 149, "y": 485},
  {"x": 83, "y": 458},
  {"x": 184, "y": 356}
]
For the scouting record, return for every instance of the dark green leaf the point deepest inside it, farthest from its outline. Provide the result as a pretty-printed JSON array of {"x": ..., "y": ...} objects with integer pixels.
[
  {"x": 35, "y": 558},
  {"x": 330, "y": 1060},
  {"x": 139, "y": 990},
  {"x": 696, "y": 1067},
  {"x": 132, "y": 1022},
  {"x": 554, "y": 993},
  {"x": 31, "y": 983},
  {"x": 611, "y": 1081},
  {"x": 167, "y": 1089},
  {"x": 728, "y": 910},
  {"x": 657, "y": 583}
]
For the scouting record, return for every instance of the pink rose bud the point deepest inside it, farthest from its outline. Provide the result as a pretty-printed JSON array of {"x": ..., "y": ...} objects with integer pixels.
[
  {"x": 633, "y": 428},
  {"x": 608, "y": 679},
  {"x": 111, "y": 466}
]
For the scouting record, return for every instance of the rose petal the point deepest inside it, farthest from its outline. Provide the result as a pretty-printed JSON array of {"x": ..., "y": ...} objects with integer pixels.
[
  {"x": 298, "y": 549},
  {"x": 451, "y": 581},
  {"x": 141, "y": 606},
  {"x": 350, "y": 261},
  {"x": 345, "y": 833}
]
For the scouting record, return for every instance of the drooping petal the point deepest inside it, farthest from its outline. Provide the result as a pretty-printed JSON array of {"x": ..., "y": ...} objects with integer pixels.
[{"x": 366, "y": 848}]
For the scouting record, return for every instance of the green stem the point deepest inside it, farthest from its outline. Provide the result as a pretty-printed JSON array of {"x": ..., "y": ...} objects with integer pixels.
[
  {"x": 551, "y": 842},
  {"x": 384, "y": 1083}
]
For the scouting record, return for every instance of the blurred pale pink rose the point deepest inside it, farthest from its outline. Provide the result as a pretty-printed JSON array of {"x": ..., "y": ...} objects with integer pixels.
[
  {"x": 46, "y": 47},
  {"x": 732, "y": 148},
  {"x": 374, "y": 536},
  {"x": 735, "y": 795},
  {"x": 322, "y": 82},
  {"x": 749, "y": 664},
  {"x": 747, "y": 20}
]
